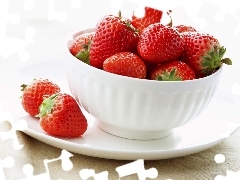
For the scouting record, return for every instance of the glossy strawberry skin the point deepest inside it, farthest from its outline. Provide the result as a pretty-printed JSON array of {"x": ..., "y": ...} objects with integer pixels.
[
  {"x": 125, "y": 64},
  {"x": 159, "y": 43},
  {"x": 184, "y": 28},
  {"x": 80, "y": 46},
  {"x": 197, "y": 45},
  {"x": 34, "y": 93},
  {"x": 182, "y": 72},
  {"x": 64, "y": 118},
  {"x": 151, "y": 16},
  {"x": 112, "y": 35}
]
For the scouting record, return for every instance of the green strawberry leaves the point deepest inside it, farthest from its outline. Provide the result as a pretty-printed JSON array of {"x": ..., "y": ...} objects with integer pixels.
[
  {"x": 169, "y": 76},
  {"x": 47, "y": 105},
  {"x": 84, "y": 54},
  {"x": 213, "y": 60}
]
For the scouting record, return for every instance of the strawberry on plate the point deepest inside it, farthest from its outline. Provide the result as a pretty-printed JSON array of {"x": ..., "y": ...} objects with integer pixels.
[
  {"x": 159, "y": 43},
  {"x": 81, "y": 45},
  {"x": 203, "y": 53},
  {"x": 34, "y": 93},
  {"x": 125, "y": 64},
  {"x": 60, "y": 115},
  {"x": 113, "y": 34},
  {"x": 173, "y": 71},
  {"x": 142, "y": 17}
]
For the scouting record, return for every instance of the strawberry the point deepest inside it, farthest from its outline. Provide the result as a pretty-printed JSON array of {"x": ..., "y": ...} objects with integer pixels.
[
  {"x": 149, "y": 68},
  {"x": 150, "y": 16},
  {"x": 34, "y": 93},
  {"x": 159, "y": 43},
  {"x": 113, "y": 34},
  {"x": 60, "y": 115},
  {"x": 203, "y": 53},
  {"x": 125, "y": 64},
  {"x": 81, "y": 45},
  {"x": 173, "y": 71},
  {"x": 184, "y": 28}
]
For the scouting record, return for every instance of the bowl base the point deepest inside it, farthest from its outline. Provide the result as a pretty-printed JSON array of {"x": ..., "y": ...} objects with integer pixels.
[{"x": 132, "y": 134}]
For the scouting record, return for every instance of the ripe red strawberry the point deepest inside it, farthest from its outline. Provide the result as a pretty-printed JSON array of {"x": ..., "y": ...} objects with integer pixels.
[
  {"x": 173, "y": 71},
  {"x": 81, "y": 45},
  {"x": 184, "y": 28},
  {"x": 34, "y": 93},
  {"x": 60, "y": 115},
  {"x": 203, "y": 53},
  {"x": 159, "y": 43},
  {"x": 125, "y": 64},
  {"x": 113, "y": 34},
  {"x": 150, "y": 16}
]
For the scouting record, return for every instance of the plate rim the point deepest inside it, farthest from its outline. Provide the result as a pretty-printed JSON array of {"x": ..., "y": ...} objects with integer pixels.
[{"x": 125, "y": 154}]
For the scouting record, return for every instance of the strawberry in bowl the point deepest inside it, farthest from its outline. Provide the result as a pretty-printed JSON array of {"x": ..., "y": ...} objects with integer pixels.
[{"x": 145, "y": 91}]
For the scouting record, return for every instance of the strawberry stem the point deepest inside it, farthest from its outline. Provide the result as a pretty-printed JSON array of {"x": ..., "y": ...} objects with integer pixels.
[
  {"x": 119, "y": 14},
  {"x": 47, "y": 105},
  {"x": 171, "y": 21},
  {"x": 130, "y": 26},
  {"x": 23, "y": 87}
]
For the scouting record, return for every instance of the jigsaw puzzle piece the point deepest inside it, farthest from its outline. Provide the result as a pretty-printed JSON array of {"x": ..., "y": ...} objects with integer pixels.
[
  {"x": 180, "y": 15},
  {"x": 28, "y": 171},
  {"x": 6, "y": 17},
  {"x": 9, "y": 43},
  {"x": 53, "y": 15},
  {"x": 7, "y": 118},
  {"x": 137, "y": 167},
  {"x": 15, "y": 172},
  {"x": 9, "y": 145},
  {"x": 79, "y": 12},
  {"x": 19, "y": 158},
  {"x": 27, "y": 10},
  {"x": 230, "y": 175},
  {"x": 90, "y": 173},
  {"x": 66, "y": 164},
  {"x": 213, "y": 25},
  {"x": 11, "y": 134},
  {"x": 7, "y": 162}
]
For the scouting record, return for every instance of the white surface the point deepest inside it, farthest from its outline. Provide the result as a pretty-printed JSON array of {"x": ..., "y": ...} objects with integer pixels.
[{"x": 216, "y": 124}]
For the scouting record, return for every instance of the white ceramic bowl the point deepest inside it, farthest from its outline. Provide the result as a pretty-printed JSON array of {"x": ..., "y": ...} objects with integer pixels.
[{"x": 137, "y": 108}]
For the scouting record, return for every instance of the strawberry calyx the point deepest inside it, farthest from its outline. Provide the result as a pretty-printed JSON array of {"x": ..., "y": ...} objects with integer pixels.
[
  {"x": 169, "y": 76},
  {"x": 23, "y": 87},
  {"x": 47, "y": 105},
  {"x": 128, "y": 23},
  {"x": 83, "y": 55},
  {"x": 213, "y": 60}
]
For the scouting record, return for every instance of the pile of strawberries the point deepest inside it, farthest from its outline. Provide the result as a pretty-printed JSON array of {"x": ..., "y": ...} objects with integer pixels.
[{"x": 143, "y": 47}]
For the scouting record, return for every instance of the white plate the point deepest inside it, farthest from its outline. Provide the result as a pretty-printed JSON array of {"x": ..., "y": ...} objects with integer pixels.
[{"x": 214, "y": 125}]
